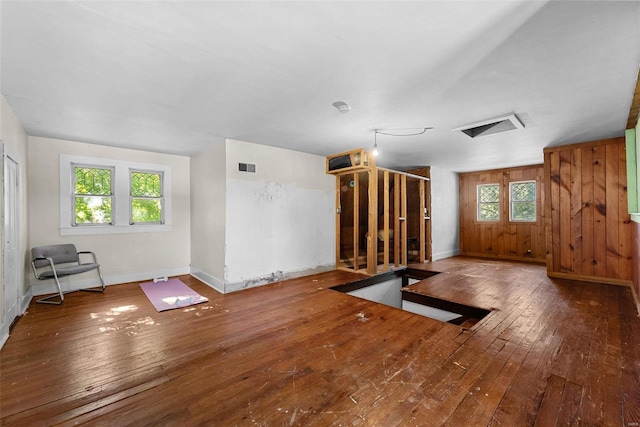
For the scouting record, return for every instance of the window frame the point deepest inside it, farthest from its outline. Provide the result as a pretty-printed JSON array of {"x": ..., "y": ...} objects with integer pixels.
[
  {"x": 121, "y": 196},
  {"x": 479, "y": 203},
  {"x": 132, "y": 197},
  {"x": 534, "y": 201},
  {"x": 75, "y": 195}
]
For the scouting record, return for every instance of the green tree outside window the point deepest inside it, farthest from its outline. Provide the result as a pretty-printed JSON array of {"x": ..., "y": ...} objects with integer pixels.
[
  {"x": 93, "y": 196},
  {"x": 523, "y": 201},
  {"x": 489, "y": 202},
  {"x": 146, "y": 197}
]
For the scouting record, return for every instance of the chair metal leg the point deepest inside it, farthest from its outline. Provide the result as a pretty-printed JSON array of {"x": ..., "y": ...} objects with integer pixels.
[
  {"x": 60, "y": 294},
  {"x": 101, "y": 281}
]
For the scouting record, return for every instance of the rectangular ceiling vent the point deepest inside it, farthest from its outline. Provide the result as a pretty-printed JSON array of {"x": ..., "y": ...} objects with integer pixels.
[{"x": 492, "y": 126}]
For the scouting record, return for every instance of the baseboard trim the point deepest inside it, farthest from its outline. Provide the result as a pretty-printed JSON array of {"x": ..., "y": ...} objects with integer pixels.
[
  {"x": 445, "y": 254},
  {"x": 276, "y": 277},
  {"x": 69, "y": 283},
  {"x": 208, "y": 279},
  {"x": 24, "y": 302},
  {"x": 635, "y": 299},
  {"x": 591, "y": 279},
  {"x": 504, "y": 258}
]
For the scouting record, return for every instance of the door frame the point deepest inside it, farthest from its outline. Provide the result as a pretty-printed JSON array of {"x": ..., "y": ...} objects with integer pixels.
[{"x": 8, "y": 312}]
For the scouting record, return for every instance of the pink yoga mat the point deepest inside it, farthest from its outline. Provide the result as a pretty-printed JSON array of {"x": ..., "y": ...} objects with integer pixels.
[{"x": 171, "y": 294}]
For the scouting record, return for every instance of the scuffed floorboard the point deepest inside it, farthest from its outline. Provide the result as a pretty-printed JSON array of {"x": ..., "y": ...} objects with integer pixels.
[{"x": 297, "y": 353}]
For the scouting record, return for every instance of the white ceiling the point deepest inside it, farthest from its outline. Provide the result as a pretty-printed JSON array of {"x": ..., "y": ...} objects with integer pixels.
[{"x": 175, "y": 76}]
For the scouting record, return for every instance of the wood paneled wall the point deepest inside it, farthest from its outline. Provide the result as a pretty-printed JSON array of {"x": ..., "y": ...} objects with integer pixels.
[
  {"x": 589, "y": 234},
  {"x": 501, "y": 239}
]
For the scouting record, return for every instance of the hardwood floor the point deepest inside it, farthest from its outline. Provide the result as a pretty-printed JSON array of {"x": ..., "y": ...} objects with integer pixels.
[{"x": 552, "y": 352}]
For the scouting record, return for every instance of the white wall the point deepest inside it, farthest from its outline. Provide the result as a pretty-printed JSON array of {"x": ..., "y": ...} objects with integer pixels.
[
  {"x": 123, "y": 257},
  {"x": 280, "y": 219},
  {"x": 14, "y": 140},
  {"x": 208, "y": 214},
  {"x": 445, "y": 213}
]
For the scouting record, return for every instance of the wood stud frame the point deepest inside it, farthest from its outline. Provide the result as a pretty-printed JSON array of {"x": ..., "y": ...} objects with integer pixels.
[{"x": 386, "y": 209}]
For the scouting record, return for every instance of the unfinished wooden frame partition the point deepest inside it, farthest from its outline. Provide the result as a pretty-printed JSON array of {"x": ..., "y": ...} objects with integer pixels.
[{"x": 381, "y": 215}]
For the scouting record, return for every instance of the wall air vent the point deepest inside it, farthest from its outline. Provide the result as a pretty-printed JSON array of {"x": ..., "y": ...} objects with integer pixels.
[
  {"x": 492, "y": 126},
  {"x": 247, "y": 167}
]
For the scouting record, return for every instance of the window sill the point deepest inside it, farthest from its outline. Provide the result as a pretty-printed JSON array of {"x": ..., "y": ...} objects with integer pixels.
[{"x": 113, "y": 229}]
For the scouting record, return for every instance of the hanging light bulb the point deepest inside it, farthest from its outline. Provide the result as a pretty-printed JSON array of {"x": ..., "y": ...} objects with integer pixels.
[{"x": 375, "y": 143}]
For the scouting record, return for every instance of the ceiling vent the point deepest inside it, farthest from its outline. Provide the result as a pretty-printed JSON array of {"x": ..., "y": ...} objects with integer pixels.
[{"x": 492, "y": 127}]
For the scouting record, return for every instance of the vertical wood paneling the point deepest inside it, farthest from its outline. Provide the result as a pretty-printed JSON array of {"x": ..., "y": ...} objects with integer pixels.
[
  {"x": 588, "y": 207},
  {"x": 599, "y": 213},
  {"x": 625, "y": 244},
  {"x": 501, "y": 239},
  {"x": 576, "y": 209},
  {"x": 612, "y": 186},
  {"x": 554, "y": 179},
  {"x": 588, "y": 225},
  {"x": 538, "y": 232},
  {"x": 565, "y": 212}
]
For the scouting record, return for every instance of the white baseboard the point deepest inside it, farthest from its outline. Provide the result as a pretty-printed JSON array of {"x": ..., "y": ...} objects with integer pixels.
[
  {"x": 227, "y": 287},
  {"x": 275, "y": 277},
  {"x": 25, "y": 301},
  {"x": 90, "y": 280},
  {"x": 208, "y": 279},
  {"x": 4, "y": 334},
  {"x": 446, "y": 254},
  {"x": 23, "y": 306}
]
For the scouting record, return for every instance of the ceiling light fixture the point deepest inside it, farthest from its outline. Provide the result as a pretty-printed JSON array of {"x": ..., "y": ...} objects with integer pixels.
[
  {"x": 395, "y": 132},
  {"x": 375, "y": 143},
  {"x": 342, "y": 106}
]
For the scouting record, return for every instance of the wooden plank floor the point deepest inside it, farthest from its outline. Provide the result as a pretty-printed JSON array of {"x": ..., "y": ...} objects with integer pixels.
[{"x": 552, "y": 352}]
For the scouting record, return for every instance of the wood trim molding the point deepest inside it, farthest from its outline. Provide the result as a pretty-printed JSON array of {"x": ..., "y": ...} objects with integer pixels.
[
  {"x": 592, "y": 279},
  {"x": 500, "y": 170},
  {"x": 584, "y": 144},
  {"x": 634, "y": 111}
]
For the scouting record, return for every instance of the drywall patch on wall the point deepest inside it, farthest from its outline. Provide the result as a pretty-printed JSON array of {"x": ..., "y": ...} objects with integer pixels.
[
  {"x": 276, "y": 227},
  {"x": 275, "y": 192}
]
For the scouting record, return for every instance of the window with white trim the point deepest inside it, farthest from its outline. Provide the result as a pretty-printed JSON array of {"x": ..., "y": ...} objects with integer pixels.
[
  {"x": 104, "y": 196},
  {"x": 522, "y": 201},
  {"x": 92, "y": 195},
  {"x": 488, "y": 202},
  {"x": 146, "y": 197}
]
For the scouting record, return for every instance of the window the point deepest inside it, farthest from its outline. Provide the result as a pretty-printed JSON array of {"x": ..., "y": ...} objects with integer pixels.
[
  {"x": 489, "y": 202},
  {"x": 93, "y": 196},
  {"x": 105, "y": 196},
  {"x": 146, "y": 197},
  {"x": 522, "y": 201}
]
